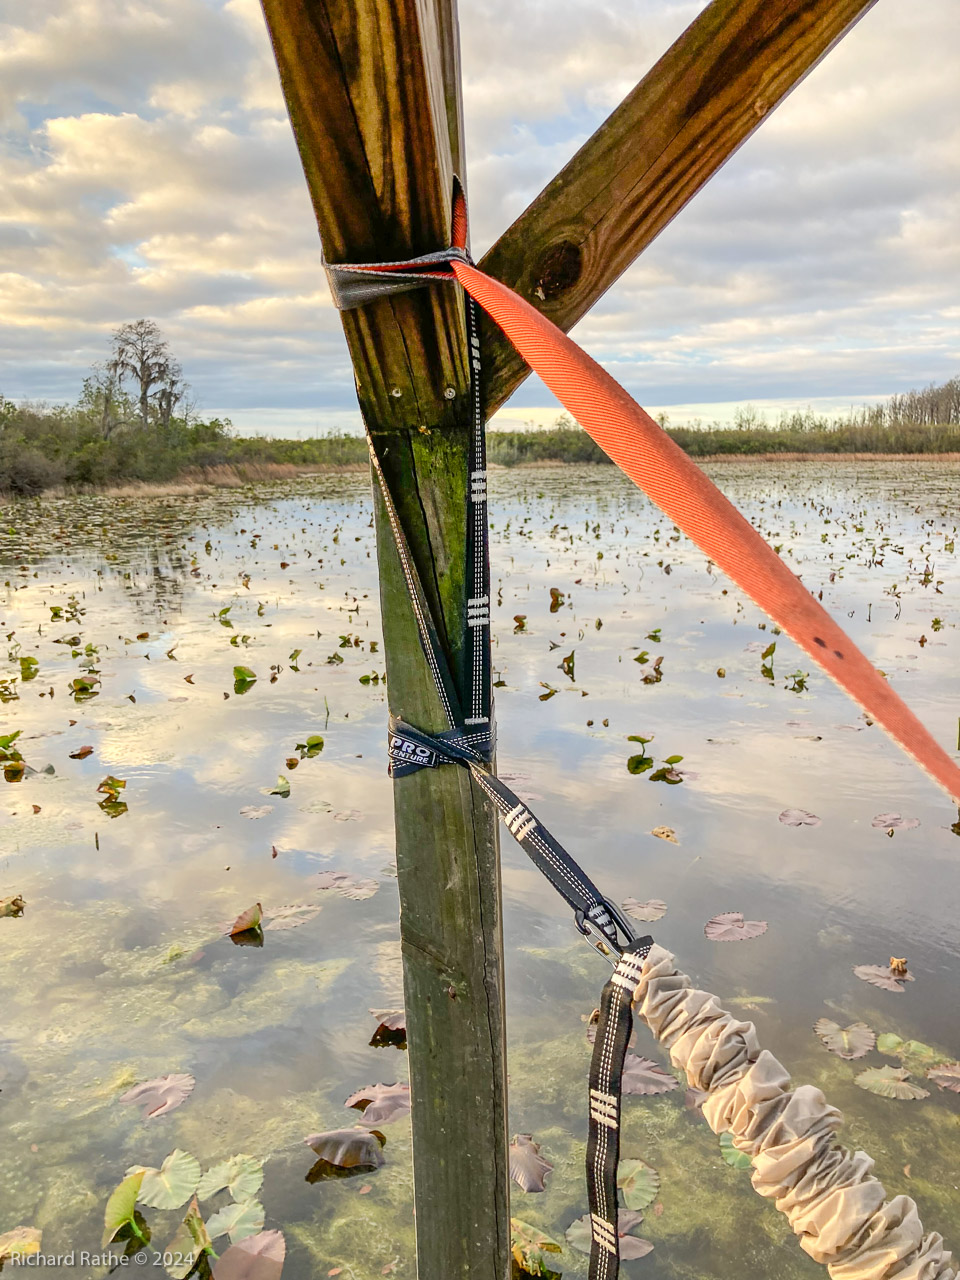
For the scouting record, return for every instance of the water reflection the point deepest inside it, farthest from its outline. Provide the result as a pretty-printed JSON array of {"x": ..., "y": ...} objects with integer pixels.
[{"x": 119, "y": 971}]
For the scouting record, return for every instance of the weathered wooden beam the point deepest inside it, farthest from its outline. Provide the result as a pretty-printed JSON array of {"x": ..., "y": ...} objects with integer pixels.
[
  {"x": 735, "y": 62},
  {"x": 373, "y": 91}
]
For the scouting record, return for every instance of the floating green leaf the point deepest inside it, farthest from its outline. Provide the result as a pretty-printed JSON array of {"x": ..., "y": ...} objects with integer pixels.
[
  {"x": 734, "y": 1158},
  {"x": 122, "y": 1205},
  {"x": 890, "y": 1082},
  {"x": 237, "y": 1220},
  {"x": 528, "y": 1244},
  {"x": 243, "y": 679},
  {"x": 639, "y": 1183},
  {"x": 191, "y": 1240},
  {"x": 241, "y": 1175},
  {"x": 854, "y": 1041},
  {"x": 172, "y": 1184}
]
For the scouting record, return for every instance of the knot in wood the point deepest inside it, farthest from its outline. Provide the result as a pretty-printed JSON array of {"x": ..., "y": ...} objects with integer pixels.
[{"x": 559, "y": 270}]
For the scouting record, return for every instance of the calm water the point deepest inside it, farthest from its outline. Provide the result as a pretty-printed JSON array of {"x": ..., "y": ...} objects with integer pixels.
[{"x": 118, "y": 971}]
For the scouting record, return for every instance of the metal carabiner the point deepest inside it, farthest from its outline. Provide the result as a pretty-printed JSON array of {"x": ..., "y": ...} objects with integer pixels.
[{"x": 599, "y": 925}]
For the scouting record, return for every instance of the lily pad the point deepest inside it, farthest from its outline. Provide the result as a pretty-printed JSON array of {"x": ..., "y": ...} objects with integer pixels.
[
  {"x": 241, "y": 1175},
  {"x": 893, "y": 821},
  {"x": 290, "y": 917},
  {"x": 730, "y": 926},
  {"x": 156, "y": 1097},
  {"x": 890, "y": 1082},
  {"x": 349, "y": 886},
  {"x": 734, "y": 1158},
  {"x": 914, "y": 1054},
  {"x": 254, "y": 811},
  {"x": 639, "y": 1183},
  {"x": 527, "y": 1166},
  {"x": 19, "y": 1243},
  {"x": 644, "y": 1077},
  {"x": 172, "y": 1184},
  {"x": 391, "y": 1031},
  {"x": 854, "y": 1041},
  {"x": 191, "y": 1239},
  {"x": 946, "y": 1076},
  {"x": 237, "y": 1220},
  {"x": 122, "y": 1205},
  {"x": 579, "y": 1235},
  {"x": 357, "y": 1149},
  {"x": 381, "y": 1103},
  {"x": 881, "y": 976},
  {"x": 249, "y": 919},
  {"x": 258, "y": 1257},
  {"x": 653, "y": 909},
  {"x": 799, "y": 818},
  {"x": 528, "y": 1244}
]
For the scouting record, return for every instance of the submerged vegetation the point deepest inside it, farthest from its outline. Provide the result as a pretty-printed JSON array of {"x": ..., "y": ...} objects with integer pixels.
[{"x": 134, "y": 424}]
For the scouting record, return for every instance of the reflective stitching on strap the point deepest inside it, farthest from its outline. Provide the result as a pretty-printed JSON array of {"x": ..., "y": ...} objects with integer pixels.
[
  {"x": 604, "y": 1234},
  {"x": 603, "y": 1108}
]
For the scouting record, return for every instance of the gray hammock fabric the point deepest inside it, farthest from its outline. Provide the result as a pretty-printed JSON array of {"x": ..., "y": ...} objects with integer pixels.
[{"x": 828, "y": 1194}]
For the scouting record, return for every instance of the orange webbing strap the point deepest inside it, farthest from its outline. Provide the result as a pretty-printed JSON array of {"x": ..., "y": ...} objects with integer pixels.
[{"x": 645, "y": 452}]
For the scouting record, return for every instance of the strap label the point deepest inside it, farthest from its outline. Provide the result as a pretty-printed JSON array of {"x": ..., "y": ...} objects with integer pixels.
[{"x": 405, "y": 751}]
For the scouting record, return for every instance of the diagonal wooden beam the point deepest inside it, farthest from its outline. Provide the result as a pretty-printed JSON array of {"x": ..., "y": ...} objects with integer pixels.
[{"x": 736, "y": 62}]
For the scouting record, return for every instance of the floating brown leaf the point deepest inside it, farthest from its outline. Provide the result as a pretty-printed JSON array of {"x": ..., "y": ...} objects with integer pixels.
[
  {"x": 579, "y": 1235},
  {"x": 799, "y": 818},
  {"x": 642, "y": 1076},
  {"x": 157, "y": 1097},
  {"x": 890, "y": 1082},
  {"x": 880, "y": 976},
  {"x": 391, "y": 1031},
  {"x": 946, "y": 1076},
  {"x": 246, "y": 920},
  {"x": 651, "y": 910},
  {"x": 12, "y": 906},
  {"x": 854, "y": 1041},
  {"x": 358, "y": 1149},
  {"x": 258, "y": 1257},
  {"x": 381, "y": 1103},
  {"x": 19, "y": 1244},
  {"x": 82, "y": 753},
  {"x": 665, "y": 833},
  {"x": 527, "y": 1166},
  {"x": 730, "y": 926}
]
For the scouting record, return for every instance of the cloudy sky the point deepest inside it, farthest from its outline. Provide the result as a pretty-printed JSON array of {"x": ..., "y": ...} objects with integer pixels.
[{"x": 149, "y": 170}]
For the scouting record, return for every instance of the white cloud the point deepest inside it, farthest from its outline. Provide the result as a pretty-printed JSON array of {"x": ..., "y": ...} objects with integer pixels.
[{"x": 150, "y": 170}]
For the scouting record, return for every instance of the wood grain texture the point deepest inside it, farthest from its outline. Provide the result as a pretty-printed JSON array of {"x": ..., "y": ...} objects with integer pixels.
[
  {"x": 372, "y": 88},
  {"x": 737, "y": 61}
]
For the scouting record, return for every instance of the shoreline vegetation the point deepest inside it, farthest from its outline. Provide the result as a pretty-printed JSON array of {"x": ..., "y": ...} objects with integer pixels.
[{"x": 128, "y": 436}]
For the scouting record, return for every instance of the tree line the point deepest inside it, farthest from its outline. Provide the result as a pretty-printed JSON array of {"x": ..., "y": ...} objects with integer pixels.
[{"x": 135, "y": 420}]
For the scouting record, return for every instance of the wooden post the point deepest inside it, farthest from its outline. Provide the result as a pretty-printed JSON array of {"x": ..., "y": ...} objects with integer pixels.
[{"x": 373, "y": 90}]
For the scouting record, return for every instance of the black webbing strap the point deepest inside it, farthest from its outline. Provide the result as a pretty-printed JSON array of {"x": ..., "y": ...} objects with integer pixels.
[
  {"x": 603, "y": 1140},
  {"x": 594, "y": 914}
]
